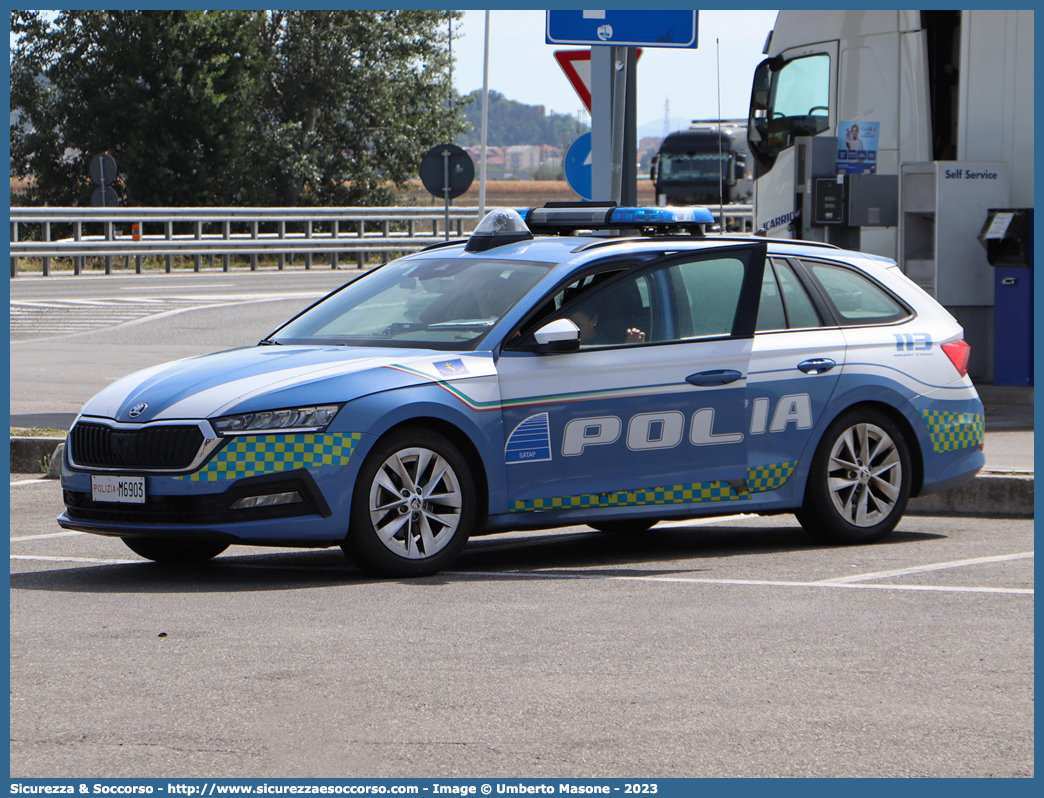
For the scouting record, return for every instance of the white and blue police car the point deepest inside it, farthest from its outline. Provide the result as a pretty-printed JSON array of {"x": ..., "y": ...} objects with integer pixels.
[{"x": 576, "y": 364}]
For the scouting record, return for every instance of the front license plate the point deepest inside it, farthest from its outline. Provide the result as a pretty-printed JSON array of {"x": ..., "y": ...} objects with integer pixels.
[{"x": 129, "y": 490}]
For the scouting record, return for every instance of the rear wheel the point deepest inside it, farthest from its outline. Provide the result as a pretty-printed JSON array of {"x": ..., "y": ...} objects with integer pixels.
[
  {"x": 859, "y": 483},
  {"x": 413, "y": 507},
  {"x": 175, "y": 552}
]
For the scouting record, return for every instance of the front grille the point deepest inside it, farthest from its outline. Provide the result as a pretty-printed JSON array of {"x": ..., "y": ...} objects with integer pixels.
[{"x": 159, "y": 447}]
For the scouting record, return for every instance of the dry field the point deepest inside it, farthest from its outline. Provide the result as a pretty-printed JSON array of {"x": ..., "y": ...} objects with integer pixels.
[
  {"x": 499, "y": 193},
  {"x": 520, "y": 193}
]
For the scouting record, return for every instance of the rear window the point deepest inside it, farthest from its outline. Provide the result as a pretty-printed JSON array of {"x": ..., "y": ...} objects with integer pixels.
[{"x": 855, "y": 298}]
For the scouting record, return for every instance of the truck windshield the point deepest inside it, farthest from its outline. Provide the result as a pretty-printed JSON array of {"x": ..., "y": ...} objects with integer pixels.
[
  {"x": 693, "y": 166},
  {"x": 791, "y": 99}
]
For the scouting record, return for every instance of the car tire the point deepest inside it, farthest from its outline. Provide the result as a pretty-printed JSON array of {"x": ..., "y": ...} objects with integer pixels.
[
  {"x": 413, "y": 507},
  {"x": 859, "y": 483},
  {"x": 628, "y": 527},
  {"x": 175, "y": 552}
]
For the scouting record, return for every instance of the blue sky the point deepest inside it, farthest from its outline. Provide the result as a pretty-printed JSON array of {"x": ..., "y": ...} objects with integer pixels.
[{"x": 522, "y": 67}]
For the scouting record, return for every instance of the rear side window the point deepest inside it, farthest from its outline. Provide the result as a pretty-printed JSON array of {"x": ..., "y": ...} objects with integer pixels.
[
  {"x": 771, "y": 315},
  {"x": 801, "y": 313},
  {"x": 784, "y": 303},
  {"x": 855, "y": 299}
]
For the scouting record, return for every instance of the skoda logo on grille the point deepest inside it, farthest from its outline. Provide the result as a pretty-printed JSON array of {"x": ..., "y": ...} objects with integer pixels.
[{"x": 137, "y": 410}]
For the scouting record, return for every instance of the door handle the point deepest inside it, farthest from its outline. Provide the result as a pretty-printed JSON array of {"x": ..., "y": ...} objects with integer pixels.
[
  {"x": 706, "y": 379},
  {"x": 817, "y": 365}
]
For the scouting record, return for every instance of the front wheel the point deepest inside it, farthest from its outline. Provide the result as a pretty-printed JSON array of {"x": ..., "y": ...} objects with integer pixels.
[
  {"x": 859, "y": 482},
  {"x": 413, "y": 507},
  {"x": 175, "y": 552}
]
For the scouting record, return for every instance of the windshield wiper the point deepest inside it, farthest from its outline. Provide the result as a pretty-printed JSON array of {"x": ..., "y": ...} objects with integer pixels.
[{"x": 463, "y": 324}]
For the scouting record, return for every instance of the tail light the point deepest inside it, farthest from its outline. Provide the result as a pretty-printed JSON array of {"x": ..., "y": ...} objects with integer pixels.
[{"x": 958, "y": 352}]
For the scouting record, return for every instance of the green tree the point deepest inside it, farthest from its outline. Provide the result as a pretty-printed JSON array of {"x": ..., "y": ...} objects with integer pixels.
[
  {"x": 353, "y": 100},
  {"x": 229, "y": 107},
  {"x": 171, "y": 94}
]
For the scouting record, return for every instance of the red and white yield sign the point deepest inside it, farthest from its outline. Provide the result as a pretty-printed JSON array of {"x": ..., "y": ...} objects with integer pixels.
[{"x": 577, "y": 67}]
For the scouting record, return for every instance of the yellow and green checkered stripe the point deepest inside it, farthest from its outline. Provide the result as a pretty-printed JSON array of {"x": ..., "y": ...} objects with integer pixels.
[
  {"x": 952, "y": 431},
  {"x": 251, "y": 455},
  {"x": 759, "y": 479},
  {"x": 769, "y": 477}
]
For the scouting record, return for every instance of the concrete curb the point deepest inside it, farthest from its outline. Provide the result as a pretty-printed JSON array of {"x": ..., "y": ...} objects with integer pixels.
[
  {"x": 987, "y": 494},
  {"x": 29, "y": 454}
]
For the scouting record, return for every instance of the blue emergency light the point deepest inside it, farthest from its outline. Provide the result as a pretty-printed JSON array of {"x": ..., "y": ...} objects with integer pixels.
[
  {"x": 559, "y": 218},
  {"x": 511, "y": 225}
]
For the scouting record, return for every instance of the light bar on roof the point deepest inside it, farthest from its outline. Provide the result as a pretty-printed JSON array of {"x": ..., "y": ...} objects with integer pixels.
[
  {"x": 643, "y": 217},
  {"x": 605, "y": 216}
]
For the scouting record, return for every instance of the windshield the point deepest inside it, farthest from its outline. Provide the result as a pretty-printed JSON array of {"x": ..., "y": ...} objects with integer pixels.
[
  {"x": 693, "y": 166},
  {"x": 439, "y": 303}
]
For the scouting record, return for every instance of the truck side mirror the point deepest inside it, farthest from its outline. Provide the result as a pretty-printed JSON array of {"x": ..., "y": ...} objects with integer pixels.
[
  {"x": 652, "y": 166},
  {"x": 758, "y": 119},
  {"x": 741, "y": 167}
]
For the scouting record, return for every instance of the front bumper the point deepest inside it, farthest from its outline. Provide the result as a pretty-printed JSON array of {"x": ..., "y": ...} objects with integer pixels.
[{"x": 319, "y": 469}]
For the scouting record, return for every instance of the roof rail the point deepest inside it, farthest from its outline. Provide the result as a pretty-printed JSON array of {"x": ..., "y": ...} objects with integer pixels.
[{"x": 442, "y": 244}]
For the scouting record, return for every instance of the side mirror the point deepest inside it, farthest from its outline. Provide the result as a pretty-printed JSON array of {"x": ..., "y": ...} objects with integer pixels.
[{"x": 560, "y": 335}]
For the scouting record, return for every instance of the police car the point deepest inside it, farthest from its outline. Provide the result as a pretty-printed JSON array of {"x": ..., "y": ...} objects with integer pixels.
[{"x": 564, "y": 365}]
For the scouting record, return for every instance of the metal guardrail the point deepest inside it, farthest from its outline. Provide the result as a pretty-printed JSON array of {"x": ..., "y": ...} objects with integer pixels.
[
  {"x": 127, "y": 233},
  {"x": 223, "y": 232},
  {"x": 738, "y": 217}
]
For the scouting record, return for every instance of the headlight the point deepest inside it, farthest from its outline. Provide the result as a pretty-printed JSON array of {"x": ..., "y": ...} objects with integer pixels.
[{"x": 311, "y": 419}]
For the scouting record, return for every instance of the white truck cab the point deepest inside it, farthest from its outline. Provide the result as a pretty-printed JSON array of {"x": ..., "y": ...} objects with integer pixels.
[{"x": 951, "y": 96}]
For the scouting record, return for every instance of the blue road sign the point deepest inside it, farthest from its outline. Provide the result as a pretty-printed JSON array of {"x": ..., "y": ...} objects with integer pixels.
[
  {"x": 623, "y": 28},
  {"x": 578, "y": 166}
]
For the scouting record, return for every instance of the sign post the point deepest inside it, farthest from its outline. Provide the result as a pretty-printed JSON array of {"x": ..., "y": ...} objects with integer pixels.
[
  {"x": 103, "y": 172},
  {"x": 613, "y": 37},
  {"x": 447, "y": 171}
]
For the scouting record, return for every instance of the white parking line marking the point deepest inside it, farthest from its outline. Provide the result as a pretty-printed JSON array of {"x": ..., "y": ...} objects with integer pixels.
[
  {"x": 702, "y": 521},
  {"x": 754, "y": 582},
  {"x": 72, "y": 559},
  {"x": 49, "y": 535},
  {"x": 917, "y": 569},
  {"x": 33, "y": 481},
  {"x": 939, "y": 588},
  {"x": 204, "y": 286}
]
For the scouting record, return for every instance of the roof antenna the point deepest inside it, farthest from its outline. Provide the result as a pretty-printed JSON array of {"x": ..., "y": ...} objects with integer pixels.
[{"x": 721, "y": 190}]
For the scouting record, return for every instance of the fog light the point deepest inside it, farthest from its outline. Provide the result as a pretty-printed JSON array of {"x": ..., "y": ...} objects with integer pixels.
[{"x": 270, "y": 500}]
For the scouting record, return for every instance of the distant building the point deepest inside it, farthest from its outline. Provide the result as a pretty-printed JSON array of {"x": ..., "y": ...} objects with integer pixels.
[
  {"x": 518, "y": 160},
  {"x": 494, "y": 156},
  {"x": 647, "y": 148},
  {"x": 526, "y": 158}
]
